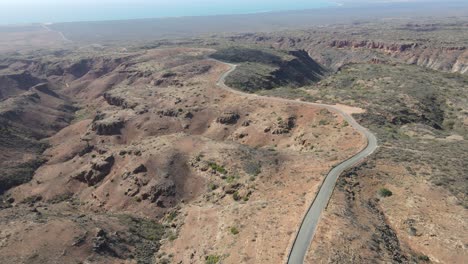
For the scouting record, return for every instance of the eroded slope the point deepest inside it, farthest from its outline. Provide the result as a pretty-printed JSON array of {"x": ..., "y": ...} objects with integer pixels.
[{"x": 205, "y": 173}]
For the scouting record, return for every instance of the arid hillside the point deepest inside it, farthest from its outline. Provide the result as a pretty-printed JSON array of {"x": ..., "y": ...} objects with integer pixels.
[
  {"x": 399, "y": 201},
  {"x": 146, "y": 158},
  {"x": 133, "y": 153},
  {"x": 439, "y": 45}
]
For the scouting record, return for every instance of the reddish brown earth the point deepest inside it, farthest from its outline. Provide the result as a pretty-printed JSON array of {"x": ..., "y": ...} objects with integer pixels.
[
  {"x": 417, "y": 220},
  {"x": 156, "y": 136},
  {"x": 146, "y": 160}
]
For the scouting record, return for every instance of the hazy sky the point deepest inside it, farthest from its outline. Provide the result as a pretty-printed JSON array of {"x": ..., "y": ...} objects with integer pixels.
[
  {"x": 117, "y": 2},
  {"x": 13, "y": 3},
  {"x": 153, "y": 2},
  {"x": 27, "y": 11},
  {"x": 31, "y": 11}
]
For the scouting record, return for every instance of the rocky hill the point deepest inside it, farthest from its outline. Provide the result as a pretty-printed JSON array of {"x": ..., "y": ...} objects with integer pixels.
[
  {"x": 340, "y": 45},
  {"x": 267, "y": 69},
  {"x": 133, "y": 154},
  {"x": 136, "y": 144}
]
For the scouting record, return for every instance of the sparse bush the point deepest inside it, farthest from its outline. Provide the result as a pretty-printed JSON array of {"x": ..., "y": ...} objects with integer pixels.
[
  {"x": 212, "y": 186},
  {"x": 384, "y": 192},
  {"x": 236, "y": 196},
  {"x": 323, "y": 122},
  {"x": 217, "y": 168},
  {"x": 253, "y": 168},
  {"x": 61, "y": 198},
  {"x": 165, "y": 261},
  {"x": 231, "y": 178},
  {"x": 144, "y": 228},
  {"x": 212, "y": 259},
  {"x": 423, "y": 258},
  {"x": 148, "y": 234},
  {"x": 172, "y": 215},
  {"x": 172, "y": 236},
  {"x": 449, "y": 124},
  {"x": 234, "y": 230}
]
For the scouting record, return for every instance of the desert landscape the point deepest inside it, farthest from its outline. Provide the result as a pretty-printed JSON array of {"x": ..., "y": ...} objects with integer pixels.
[{"x": 213, "y": 148}]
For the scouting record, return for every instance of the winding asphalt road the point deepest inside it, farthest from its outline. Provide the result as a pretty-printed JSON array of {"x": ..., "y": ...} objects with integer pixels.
[{"x": 309, "y": 223}]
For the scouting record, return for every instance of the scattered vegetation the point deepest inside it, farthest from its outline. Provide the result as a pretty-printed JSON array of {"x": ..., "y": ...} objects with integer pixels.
[
  {"x": 171, "y": 216},
  {"x": 262, "y": 68},
  {"x": 144, "y": 228},
  {"x": 19, "y": 174},
  {"x": 149, "y": 234},
  {"x": 217, "y": 168},
  {"x": 253, "y": 168},
  {"x": 234, "y": 230},
  {"x": 212, "y": 186},
  {"x": 172, "y": 236},
  {"x": 82, "y": 114},
  {"x": 212, "y": 259},
  {"x": 384, "y": 192},
  {"x": 411, "y": 109},
  {"x": 236, "y": 196},
  {"x": 423, "y": 258},
  {"x": 32, "y": 199},
  {"x": 323, "y": 122},
  {"x": 61, "y": 198},
  {"x": 231, "y": 178}
]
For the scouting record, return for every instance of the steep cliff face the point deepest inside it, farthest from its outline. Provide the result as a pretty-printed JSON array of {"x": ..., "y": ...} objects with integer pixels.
[
  {"x": 450, "y": 59},
  {"x": 438, "y": 47}
]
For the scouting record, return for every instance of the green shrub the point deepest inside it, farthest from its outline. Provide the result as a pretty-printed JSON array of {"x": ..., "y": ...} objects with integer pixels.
[
  {"x": 217, "y": 168},
  {"x": 172, "y": 236},
  {"x": 384, "y": 192},
  {"x": 144, "y": 228},
  {"x": 234, "y": 230},
  {"x": 212, "y": 186},
  {"x": 172, "y": 216},
  {"x": 423, "y": 258},
  {"x": 231, "y": 178},
  {"x": 323, "y": 122},
  {"x": 236, "y": 196},
  {"x": 212, "y": 259}
]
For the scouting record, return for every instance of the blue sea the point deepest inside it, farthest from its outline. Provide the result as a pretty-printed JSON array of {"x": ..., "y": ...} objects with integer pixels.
[{"x": 51, "y": 11}]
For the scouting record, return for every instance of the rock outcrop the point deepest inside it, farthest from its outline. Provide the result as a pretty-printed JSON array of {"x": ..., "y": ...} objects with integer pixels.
[
  {"x": 157, "y": 192},
  {"x": 228, "y": 118},
  {"x": 107, "y": 126},
  {"x": 118, "y": 101},
  {"x": 284, "y": 126},
  {"x": 96, "y": 171},
  {"x": 341, "y": 48}
]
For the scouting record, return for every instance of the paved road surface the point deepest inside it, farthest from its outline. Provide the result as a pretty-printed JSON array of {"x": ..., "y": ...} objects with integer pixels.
[{"x": 309, "y": 223}]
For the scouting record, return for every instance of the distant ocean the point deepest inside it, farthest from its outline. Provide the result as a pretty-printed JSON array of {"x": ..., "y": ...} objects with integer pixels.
[{"x": 66, "y": 12}]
